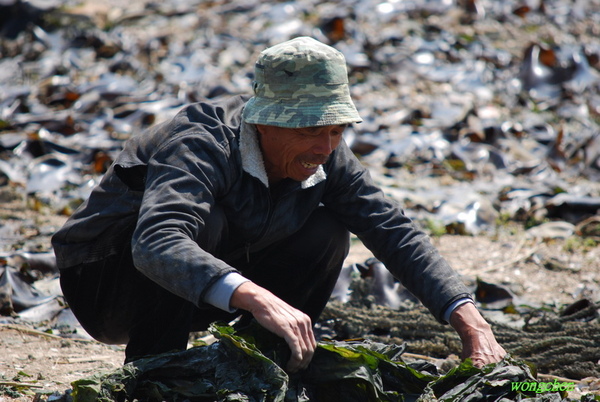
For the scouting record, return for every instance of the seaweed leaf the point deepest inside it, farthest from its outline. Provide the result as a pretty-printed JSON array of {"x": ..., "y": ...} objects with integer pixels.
[{"x": 244, "y": 365}]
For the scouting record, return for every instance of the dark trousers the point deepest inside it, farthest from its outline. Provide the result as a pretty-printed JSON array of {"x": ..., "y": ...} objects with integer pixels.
[{"x": 115, "y": 303}]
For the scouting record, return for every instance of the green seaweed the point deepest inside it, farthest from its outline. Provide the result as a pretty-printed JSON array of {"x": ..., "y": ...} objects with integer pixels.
[{"x": 245, "y": 365}]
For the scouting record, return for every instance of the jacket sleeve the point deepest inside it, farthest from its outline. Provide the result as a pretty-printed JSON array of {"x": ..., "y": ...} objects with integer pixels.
[
  {"x": 172, "y": 243},
  {"x": 392, "y": 237}
]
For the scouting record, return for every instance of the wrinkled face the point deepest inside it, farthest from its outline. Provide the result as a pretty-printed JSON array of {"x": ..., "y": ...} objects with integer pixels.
[{"x": 296, "y": 153}]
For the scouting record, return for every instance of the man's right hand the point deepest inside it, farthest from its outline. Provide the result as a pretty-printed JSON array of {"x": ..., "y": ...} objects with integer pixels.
[{"x": 277, "y": 316}]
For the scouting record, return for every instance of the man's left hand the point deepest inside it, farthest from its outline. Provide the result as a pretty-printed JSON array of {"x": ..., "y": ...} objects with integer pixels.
[{"x": 476, "y": 335}]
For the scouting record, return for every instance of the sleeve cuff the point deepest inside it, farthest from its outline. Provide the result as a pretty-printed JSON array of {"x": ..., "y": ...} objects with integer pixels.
[
  {"x": 219, "y": 294},
  {"x": 454, "y": 305}
]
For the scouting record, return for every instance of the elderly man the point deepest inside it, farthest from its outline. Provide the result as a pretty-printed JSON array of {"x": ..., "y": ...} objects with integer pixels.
[{"x": 244, "y": 206}]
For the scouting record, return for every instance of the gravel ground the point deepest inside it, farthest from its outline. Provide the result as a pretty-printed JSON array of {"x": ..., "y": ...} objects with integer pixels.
[{"x": 46, "y": 363}]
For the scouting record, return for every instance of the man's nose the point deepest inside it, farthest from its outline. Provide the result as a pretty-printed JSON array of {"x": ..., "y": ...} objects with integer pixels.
[{"x": 325, "y": 144}]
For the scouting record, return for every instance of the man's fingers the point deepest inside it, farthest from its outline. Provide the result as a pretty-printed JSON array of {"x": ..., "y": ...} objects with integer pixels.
[
  {"x": 302, "y": 344},
  {"x": 295, "y": 363},
  {"x": 491, "y": 354},
  {"x": 479, "y": 362},
  {"x": 296, "y": 356}
]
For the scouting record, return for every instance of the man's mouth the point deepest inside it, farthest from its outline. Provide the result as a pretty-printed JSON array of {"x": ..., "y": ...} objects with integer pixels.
[{"x": 308, "y": 165}]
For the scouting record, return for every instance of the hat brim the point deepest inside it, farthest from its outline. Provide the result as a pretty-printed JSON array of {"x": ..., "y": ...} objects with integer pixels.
[{"x": 298, "y": 113}]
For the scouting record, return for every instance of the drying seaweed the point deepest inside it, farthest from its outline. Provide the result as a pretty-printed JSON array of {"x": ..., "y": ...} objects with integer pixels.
[
  {"x": 246, "y": 366},
  {"x": 554, "y": 345}
]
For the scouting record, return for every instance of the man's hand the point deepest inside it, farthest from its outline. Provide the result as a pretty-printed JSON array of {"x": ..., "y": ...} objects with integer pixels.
[
  {"x": 476, "y": 335},
  {"x": 280, "y": 318}
]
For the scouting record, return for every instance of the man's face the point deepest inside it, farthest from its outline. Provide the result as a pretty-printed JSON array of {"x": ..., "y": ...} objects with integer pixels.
[{"x": 296, "y": 153}]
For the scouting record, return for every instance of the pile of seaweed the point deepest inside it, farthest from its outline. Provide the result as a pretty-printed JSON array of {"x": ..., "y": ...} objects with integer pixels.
[{"x": 246, "y": 365}]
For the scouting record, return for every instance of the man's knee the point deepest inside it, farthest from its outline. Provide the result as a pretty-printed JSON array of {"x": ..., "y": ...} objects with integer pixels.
[{"x": 85, "y": 291}]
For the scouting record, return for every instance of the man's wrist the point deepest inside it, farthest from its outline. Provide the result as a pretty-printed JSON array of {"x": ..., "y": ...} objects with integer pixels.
[
  {"x": 468, "y": 321},
  {"x": 454, "y": 306},
  {"x": 219, "y": 294}
]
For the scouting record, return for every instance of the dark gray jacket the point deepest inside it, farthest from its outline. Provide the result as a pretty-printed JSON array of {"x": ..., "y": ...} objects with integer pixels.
[{"x": 168, "y": 181}]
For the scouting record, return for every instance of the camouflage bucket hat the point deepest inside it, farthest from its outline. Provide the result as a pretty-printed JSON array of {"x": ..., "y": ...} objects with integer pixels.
[{"x": 301, "y": 83}]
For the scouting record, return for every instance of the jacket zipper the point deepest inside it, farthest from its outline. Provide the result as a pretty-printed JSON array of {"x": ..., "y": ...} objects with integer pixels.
[
  {"x": 269, "y": 219},
  {"x": 265, "y": 228}
]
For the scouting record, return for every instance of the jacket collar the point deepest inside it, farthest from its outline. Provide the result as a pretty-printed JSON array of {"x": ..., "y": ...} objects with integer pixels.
[{"x": 253, "y": 163}]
